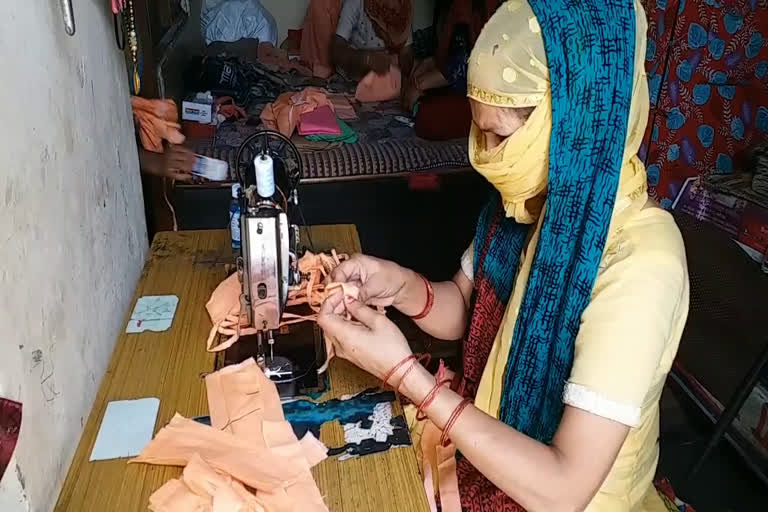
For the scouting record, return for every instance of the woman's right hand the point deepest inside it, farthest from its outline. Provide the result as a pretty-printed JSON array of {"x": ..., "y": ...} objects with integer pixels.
[{"x": 382, "y": 283}]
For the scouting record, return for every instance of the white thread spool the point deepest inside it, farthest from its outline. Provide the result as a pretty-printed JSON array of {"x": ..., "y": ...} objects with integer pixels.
[{"x": 265, "y": 176}]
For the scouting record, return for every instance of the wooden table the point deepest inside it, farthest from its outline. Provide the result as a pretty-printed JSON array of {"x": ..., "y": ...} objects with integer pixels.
[{"x": 168, "y": 365}]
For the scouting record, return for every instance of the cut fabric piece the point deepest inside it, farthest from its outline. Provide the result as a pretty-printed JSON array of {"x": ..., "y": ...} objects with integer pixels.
[
  {"x": 256, "y": 466},
  {"x": 284, "y": 113},
  {"x": 157, "y": 120},
  {"x": 320, "y": 121},
  {"x": 375, "y": 87},
  {"x": 246, "y": 403},
  {"x": 176, "y": 496},
  {"x": 250, "y": 442}
]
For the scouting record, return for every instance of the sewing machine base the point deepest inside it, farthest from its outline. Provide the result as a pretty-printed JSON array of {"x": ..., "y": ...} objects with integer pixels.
[{"x": 302, "y": 344}]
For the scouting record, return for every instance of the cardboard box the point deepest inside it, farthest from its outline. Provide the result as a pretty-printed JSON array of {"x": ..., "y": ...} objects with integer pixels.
[{"x": 198, "y": 108}]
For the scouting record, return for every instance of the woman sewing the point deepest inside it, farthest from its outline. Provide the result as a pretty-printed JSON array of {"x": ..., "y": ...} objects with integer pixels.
[{"x": 573, "y": 295}]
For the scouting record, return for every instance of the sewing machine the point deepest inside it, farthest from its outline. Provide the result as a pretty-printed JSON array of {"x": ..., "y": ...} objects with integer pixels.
[{"x": 269, "y": 170}]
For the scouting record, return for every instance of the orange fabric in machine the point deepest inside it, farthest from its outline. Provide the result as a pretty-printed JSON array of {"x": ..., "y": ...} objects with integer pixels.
[
  {"x": 228, "y": 319},
  {"x": 283, "y": 114},
  {"x": 249, "y": 442},
  {"x": 317, "y": 34},
  {"x": 157, "y": 120},
  {"x": 374, "y": 87}
]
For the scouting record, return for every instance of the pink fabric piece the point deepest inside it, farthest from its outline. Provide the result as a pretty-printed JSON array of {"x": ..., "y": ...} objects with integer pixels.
[
  {"x": 375, "y": 87},
  {"x": 320, "y": 121},
  {"x": 284, "y": 113}
]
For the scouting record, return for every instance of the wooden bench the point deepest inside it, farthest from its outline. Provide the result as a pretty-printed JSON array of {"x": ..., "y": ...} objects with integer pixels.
[{"x": 168, "y": 365}]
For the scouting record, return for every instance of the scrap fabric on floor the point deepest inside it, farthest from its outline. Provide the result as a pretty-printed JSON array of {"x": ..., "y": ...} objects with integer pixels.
[
  {"x": 10, "y": 425},
  {"x": 249, "y": 443}
]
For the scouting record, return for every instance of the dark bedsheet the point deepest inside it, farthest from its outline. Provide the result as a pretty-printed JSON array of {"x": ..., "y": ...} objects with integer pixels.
[{"x": 385, "y": 144}]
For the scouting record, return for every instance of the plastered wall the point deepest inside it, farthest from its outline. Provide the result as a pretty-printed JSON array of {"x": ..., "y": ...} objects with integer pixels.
[{"x": 72, "y": 231}]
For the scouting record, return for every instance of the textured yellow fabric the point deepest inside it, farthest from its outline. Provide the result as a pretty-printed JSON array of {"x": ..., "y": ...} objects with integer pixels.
[
  {"x": 508, "y": 65},
  {"x": 625, "y": 347},
  {"x": 632, "y": 326},
  {"x": 507, "y": 68}
]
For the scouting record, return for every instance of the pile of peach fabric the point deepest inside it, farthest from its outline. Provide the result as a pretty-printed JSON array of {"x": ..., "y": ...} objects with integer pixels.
[{"x": 249, "y": 460}]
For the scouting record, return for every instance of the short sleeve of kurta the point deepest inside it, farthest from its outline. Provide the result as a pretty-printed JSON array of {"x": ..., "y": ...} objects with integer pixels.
[
  {"x": 348, "y": 19},
  {"x": 467, "y": 262},
  {"x": 630, "y": 329}
]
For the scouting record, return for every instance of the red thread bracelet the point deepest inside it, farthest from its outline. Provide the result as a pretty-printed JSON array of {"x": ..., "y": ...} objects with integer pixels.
[
  {"x": 430, "y": 300},
  {"x": 397, "y": 367},
  {"x": 419, "y": 360},
  {"x": 452, "y": 419},
  {"x": 429, "y": 399}
]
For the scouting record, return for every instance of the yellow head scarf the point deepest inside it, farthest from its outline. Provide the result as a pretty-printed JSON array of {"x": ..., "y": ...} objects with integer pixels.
[{"x": 508, "y": 68}]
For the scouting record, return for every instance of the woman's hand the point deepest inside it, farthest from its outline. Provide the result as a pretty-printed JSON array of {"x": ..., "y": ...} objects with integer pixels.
[
  {"x": 375, "y": 344},
  {"x": 176, "y": 163},
  {"x": 382, "y": 283}
]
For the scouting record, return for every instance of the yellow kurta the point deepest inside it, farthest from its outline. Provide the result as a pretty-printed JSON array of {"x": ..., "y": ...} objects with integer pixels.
[{"x": 624, "y": 350}]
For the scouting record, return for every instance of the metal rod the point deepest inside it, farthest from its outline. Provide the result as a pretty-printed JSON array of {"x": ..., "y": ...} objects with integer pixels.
[
  {"x": 69, "y": 17},
  {"x": 729, "y": 413}
]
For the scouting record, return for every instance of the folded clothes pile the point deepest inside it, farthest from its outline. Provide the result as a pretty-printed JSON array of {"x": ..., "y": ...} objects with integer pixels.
[
  {"x": 284, "y": 113},
  {"x": 248, "y": 460}
]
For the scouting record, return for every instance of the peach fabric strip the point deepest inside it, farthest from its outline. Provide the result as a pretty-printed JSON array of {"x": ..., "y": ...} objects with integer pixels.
[{"x": 438, "y": 463}]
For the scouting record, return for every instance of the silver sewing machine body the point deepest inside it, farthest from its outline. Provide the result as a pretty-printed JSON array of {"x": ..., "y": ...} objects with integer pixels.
[{"x": 268, "y": 262}]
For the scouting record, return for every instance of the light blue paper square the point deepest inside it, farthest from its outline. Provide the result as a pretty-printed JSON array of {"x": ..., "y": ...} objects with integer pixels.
[{"x": 126, "y": 428}]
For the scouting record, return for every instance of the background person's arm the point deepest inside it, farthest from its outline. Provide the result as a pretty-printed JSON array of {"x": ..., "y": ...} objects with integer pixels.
[{"x": 355, "y": 62}]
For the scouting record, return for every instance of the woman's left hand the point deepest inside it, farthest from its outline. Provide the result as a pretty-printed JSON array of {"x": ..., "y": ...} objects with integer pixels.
[{"x": 375, "y": 344}]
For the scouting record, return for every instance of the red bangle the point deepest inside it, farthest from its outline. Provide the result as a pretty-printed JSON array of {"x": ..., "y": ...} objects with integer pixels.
[
  {"x": 430, "y": 300},
  {"x": 429, "y": 399},
  {"x": 423, "y": 359},
  {"x": 452, "y": 419},
  {"x": 397, "y": 367}
]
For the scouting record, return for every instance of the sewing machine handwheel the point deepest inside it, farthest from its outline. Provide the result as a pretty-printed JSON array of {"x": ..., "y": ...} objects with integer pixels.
[{"x": 284, "y": 153}]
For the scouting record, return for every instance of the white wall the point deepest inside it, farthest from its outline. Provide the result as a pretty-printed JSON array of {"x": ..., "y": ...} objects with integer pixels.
[{"x": 72, "y": 232}]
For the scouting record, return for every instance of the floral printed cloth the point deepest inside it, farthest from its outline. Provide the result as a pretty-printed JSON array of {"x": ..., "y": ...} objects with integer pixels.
[{"x": 707, "y": 63}]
